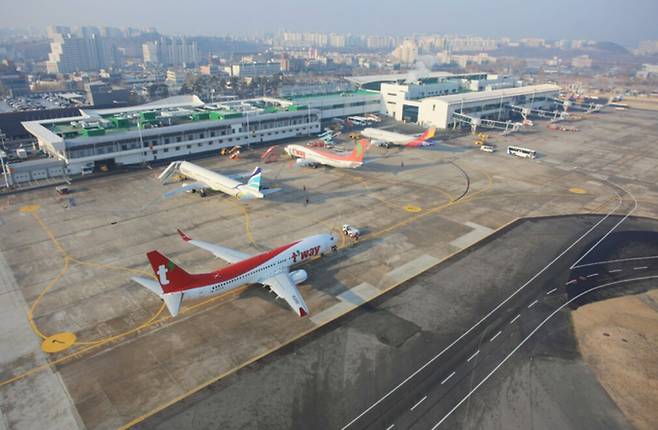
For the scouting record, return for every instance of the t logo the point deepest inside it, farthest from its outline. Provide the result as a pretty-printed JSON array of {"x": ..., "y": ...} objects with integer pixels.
[{"x": 162, "y": 274}]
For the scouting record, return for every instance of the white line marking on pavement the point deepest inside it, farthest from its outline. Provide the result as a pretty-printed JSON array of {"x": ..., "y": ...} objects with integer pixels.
[
  {"x": 491, "y": 312},
  {"x": 573, "y": 281},
  {"x": 390, "y": 427},
  {"x": 515, "y": 318},
  {"x": 653, "y": 257},
  {"x": 473, "y": 356},
  {"x": 552, "y": 291},
  {"x": 532, "y": 304},
  {"x": 614, "y": 271},
  {"x": 495, "y": 336},
  {"x": 449, "y": 376},
  {"x": 611, "y": 230},
  {"x": 640, "y": 268},
  {"x": 591, "y": 275},
  {"x": 419, "y": 402},
  {"x": 541, "y": 324}
]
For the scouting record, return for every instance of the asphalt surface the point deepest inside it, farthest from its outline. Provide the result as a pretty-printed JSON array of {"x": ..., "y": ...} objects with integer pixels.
[{"x": 482, "y": 340}]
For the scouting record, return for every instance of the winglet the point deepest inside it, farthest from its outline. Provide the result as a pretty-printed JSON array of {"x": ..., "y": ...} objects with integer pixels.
[{"x": 183, "y": 236}]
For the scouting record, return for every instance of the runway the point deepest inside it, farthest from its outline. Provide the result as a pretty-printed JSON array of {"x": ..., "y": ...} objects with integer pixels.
[{"x": 434, "y": 353}]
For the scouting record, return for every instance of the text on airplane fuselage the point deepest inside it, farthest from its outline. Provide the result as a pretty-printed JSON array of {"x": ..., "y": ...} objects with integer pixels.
[{"x": 311, "y": 252}]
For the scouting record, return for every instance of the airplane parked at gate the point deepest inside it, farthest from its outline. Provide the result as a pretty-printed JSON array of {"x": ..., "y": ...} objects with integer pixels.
[
  {"x": 388, "y": 138},
  {"x": 269, "y": 268},
  {"x": 206, "y": 179},
  {"x": 313, "y": 157}
]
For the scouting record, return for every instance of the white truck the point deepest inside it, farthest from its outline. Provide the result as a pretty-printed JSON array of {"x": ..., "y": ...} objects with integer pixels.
[{"x": 350, "y": 231}]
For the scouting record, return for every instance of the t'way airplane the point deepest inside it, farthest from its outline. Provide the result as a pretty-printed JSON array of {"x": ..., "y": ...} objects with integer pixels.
[
  {"x": 307, "y": 156},
  {"x": 270, "y": 268},
  {"x": 387, "y": 138},
  {"x": 208, "y": 180}
]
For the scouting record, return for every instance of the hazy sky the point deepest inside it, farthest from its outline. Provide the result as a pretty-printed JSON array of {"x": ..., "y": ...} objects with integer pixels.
[{"x": 622, "y": 21}]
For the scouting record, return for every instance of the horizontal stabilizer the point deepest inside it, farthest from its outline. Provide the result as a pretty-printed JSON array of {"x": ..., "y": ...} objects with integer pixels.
[
  {"x": 267, "y": 191},
  {"x": 173, "y": 301},
  {"x": 150, "y": 284}
]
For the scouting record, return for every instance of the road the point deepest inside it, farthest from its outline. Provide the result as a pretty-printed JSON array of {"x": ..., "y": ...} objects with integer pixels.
[{"x": 435, "y": 353}]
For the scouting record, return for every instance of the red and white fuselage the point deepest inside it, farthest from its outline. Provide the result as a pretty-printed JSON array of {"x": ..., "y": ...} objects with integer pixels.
[
  {"x": 269, "y": 268},
  {"x": 308, "y": 156}
]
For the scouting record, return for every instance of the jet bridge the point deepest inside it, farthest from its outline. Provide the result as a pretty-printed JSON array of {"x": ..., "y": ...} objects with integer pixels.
[
  {"x": 171, "y": 170},
  {"x": 554, "y": 116},
  {"x": 507, "y": 126},
  {"x": 587, "y": 107}
]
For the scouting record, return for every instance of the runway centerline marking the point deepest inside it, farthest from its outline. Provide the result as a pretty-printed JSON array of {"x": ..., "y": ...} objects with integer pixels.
[
  {"x": 491, "y": 312},
  {"x": 614, "y": 271},
  {"x": 495, "y": 336},
  {"x": 640, "y": 268},
  {"x": 552, "y": 291},
  {"x": 515, "y": 318},
  {"x": 448, "y": 377},
  {"x": 473, "y": 356},
  {"x": 532, "y": 304},
  {"x": 541, "y": 324},
  {"x": 418, "y": 403},
  {"x": 591, "y": 275}
]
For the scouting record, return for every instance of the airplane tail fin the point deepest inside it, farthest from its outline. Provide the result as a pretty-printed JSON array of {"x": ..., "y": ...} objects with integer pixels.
[
  {"x": 171, "y": 277},
  {"x": 359, "y": 150},
  {"x": 428, "y": 134},
  {"x": 254, "y": 179}
]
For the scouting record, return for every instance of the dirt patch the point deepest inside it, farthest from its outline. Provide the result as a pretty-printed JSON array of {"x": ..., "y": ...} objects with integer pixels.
[{"x": 618, "y": 338}]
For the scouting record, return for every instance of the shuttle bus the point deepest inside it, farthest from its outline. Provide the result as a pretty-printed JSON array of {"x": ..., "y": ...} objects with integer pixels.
[
  {"x": 359, "y": 120},
  {"x": 517, "y": 151}
]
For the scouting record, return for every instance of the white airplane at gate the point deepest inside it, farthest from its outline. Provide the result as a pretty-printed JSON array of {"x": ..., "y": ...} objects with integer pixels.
[
  {"x": 386, "y": 138},
  {"x": 307, "y": 156},
  {"x": 269, "y": 268},
  {"x": 206, "y": 179}
]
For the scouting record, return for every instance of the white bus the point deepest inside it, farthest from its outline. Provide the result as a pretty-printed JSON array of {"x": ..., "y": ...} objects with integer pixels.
[
  {"x": 517, "y": 151},
  {"x": 359, "y": 120}
]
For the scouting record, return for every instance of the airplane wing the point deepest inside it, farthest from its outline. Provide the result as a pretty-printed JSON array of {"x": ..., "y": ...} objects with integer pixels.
[
  {"x": 285, "y": 288},
  {"x": 194, "y": 186},
  {"x": 227, "y": 254}
]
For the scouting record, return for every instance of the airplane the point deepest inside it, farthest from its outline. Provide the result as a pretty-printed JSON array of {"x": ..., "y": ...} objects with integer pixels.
[
  {"x": 313, "y": 157},
  {"x": 387, "y": 138},
  {"x": 270, "y": 269},
  {"x": 208, "y": 180}
]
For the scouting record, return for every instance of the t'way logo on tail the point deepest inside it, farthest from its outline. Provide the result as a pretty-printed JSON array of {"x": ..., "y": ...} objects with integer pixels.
[{"x": 359, "y": 150}]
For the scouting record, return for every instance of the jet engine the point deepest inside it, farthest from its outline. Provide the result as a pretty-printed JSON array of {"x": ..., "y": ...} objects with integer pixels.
[{"x": 298, "y": 276}]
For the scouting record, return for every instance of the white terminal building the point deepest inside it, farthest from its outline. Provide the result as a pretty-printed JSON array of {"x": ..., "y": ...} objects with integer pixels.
[
  {"x": 442, "y": 99},
  {"x": 181, "y": 126}
]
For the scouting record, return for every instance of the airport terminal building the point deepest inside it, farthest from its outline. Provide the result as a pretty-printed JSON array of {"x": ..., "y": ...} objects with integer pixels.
[
  {"x": 443, "y": 99},
  {"x": 170, "y": 128},
  {"x": 183, "y": 125}
]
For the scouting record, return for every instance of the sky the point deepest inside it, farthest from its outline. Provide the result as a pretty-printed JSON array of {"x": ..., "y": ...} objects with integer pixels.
[{"x": 622, "y": 21}]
